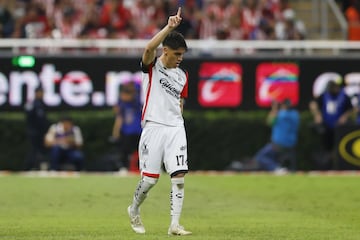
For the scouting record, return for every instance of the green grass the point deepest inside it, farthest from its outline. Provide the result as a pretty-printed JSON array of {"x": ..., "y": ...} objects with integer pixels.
[{"x": 232, "y": 207}]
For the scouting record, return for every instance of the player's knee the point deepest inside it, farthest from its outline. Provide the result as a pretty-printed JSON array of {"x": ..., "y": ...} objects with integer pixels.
[
  {"x": 179, "y": 181},
  {"x": 178, "y": 174},
  {"x": 150, "y": 180}
]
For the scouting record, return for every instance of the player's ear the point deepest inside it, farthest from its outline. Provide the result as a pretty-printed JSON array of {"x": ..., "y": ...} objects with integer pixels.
[{"x": 165, "y": 50}]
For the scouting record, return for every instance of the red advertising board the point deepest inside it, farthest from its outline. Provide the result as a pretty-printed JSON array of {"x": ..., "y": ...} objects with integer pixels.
[
  {"x": 220, "y": 84},
  {"x": 276, "y": 82}
]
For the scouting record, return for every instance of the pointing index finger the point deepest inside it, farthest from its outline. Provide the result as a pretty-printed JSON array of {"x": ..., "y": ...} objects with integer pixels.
[{"x": 179, "y": 12}]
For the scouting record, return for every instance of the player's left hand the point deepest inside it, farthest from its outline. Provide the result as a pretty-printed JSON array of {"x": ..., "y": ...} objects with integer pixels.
[{"x": 175, "y": 20}]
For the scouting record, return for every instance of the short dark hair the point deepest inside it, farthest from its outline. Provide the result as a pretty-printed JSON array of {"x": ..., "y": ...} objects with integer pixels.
[
  {"x": 66, "y": 118},
  {"x": 175, "y": 40}
]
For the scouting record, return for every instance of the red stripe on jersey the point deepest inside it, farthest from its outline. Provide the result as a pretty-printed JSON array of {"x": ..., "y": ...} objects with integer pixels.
[
  {"x": 148, "y": 90},
  {"x": 153, "y": 175},
  {"x": 184, "y": 92}
]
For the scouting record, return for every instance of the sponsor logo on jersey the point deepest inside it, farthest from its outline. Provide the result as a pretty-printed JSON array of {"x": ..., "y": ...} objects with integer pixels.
[
  {"x": 276, "y": 82},
  {"x": 220, "y": 84},
  {"x": 169, "y": 88}
]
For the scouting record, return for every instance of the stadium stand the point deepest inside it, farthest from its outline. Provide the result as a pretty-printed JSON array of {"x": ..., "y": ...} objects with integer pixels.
[{"x": 70, "y": 24}]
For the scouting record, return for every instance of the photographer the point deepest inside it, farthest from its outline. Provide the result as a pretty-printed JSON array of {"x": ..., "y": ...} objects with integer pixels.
[{"x": 284, "y": 121}]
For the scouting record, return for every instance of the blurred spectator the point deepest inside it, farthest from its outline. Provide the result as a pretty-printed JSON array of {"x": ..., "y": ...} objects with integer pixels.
[
  {"x": 36, "y": 127},
  {"x": 91, "y": 23},
  {"x": 143, "y": 22},
  {"x": 34, "y": 24},
  {"x": 234, "y": 20},
  {"x": 189, "y": 23},
  {"x": 353, "y": 17},
  {"x": 290, "y": 28},
  {"x": 284, "y": 121},
  {"x": 191, "y": 14},
  {"x": 115, "y": 17},
  {"x": 264, "y": 31},
  {"x": 70, "y": 26},
  {"x": 330, "y": 109},
  {"x": 127, "y": 125},
  {"x": 160, "y": 16},
  {"x": 65, "y": 141},
  {"x": 271, "y": 9},
  {"x": 6, "y": 20},
  {"x": 141, "y": 19},
  {"x": 283, "y": 5},
  {"x": 252, "y": 16},
  {"x": 213, "y": 20}
]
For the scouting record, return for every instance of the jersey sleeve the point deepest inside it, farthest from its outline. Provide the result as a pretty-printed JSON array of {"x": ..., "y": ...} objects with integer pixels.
[
  {"x": 184, "y": 92},
  {"x": 146, "y": 68}
]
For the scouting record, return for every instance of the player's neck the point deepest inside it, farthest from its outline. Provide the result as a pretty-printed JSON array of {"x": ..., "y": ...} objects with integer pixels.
[{"x": 164, "y": 61}]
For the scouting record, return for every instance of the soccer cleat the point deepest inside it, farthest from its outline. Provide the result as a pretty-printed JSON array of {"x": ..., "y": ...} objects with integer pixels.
[
  {"x": 178, "y": 230},
  {"x": 135, "y": 221}
]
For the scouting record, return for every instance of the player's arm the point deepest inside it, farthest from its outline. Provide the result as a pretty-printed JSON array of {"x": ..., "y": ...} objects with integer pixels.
[
  {"x": 182, "y": 105},
  {"x": 348, "y": 112},
  {"x": 271, "y": 117},
  {"x": 117, "y": 126},
  {"x": 150, "y": 49},
  {"x": 315, "y": 111},
  {"x": 49, "y": 138},
  {"x": 78, "y": 138}
]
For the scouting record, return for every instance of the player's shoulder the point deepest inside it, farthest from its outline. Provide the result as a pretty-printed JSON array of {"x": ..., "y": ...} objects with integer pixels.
[
  {"x": 183, "y": 70},
  {"x": 145, "y": 68},
  {"x": 29, "y": 106}
]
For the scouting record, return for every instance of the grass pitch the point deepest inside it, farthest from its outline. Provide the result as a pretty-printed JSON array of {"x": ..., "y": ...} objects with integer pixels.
[{"x": 216, "y": 207}]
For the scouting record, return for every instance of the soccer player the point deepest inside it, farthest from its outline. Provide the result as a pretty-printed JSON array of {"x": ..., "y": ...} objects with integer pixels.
[{"x": 163, "y": 139}]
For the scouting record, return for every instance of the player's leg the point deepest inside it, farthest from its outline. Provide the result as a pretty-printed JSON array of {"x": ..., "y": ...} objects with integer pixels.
[
  {"x": 56, "y": 157},
  {"x": 76, "y": 157},
  {"x": 175, "y": 159},
  {"x": 142, "y": 189},
  {"x": 150, "y": 155},
  {"x": 266, "y": 158}
]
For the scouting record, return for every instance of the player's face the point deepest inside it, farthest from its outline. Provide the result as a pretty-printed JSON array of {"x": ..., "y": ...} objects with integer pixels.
[
  {"x": 67, "y": 125},
  {"x": 174, "y": 57}
]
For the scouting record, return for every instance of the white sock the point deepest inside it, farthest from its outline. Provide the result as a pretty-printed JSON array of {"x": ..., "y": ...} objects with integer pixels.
[
  {"x": 176, "y": 199},
  {"x": 144, "y": 186}
]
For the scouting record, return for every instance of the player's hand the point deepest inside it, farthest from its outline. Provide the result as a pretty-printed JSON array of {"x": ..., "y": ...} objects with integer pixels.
[
  {"x": 175, "y": 20},
  {"x": 342, "y": 120},
  {"x": 113, "y": 139}
]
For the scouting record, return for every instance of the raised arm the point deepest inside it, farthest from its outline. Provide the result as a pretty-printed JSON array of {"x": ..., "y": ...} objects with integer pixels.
[{"x": 150, "y": 49}]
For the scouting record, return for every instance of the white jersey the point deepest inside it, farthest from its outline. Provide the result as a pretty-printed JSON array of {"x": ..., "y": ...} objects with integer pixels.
[{"x": 163, "y": 88}]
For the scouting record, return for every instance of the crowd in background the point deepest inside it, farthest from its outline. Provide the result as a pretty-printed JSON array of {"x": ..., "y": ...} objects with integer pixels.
[{"x": 140, "y": 19}]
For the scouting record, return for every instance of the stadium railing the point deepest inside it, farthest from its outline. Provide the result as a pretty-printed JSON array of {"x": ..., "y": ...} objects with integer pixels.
[{"x": 196, "y": 47}]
